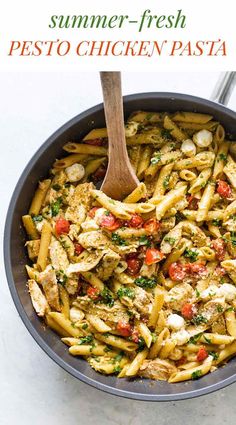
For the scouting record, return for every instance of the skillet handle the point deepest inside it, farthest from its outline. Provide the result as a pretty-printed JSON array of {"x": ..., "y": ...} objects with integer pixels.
[{"x": 224, "y": 87}]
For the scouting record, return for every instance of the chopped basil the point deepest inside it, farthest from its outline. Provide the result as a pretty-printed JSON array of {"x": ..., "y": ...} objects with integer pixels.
[
  {"x": 194, "y": 339},
  {"x": 233, "y": 238},
  {"x": 191, "y": 254},
  {"x": 214, "y": 355},
  {"x": 118, "y": 357},
  {"x": 199, "y": 319},
  {"x": 196, "y": 374},
  {"x": 55, "y": 207},
  {"x": 208, "y": 340},
  {"x": 86, "y": 340},
  {"x": 166, "y": 182},
  {"x": 106, "y": 212},
  {"x": 107, "y": 297},
  {"x": 170, "y": 240},
  {"x": 126, "y": 292},
  {"x": 117, "y": 369},
  {"x": 156, "y": 158},
  {"x": 219, "y": 308},
  {"x": 37, "y": 218},
  {"x": 117, "y": 239},
  {"x": 56, "y": 187},
  {"x": 223, "y": 157},
  {"x": 166, "y": 134},
  {"x": 146, "y": 282},
  {"x": 216, "y": 222},
  {"x": 197, "y": 293},
  {"x": 61, "y": 277},
  {"x": 85, "y": 326},
  {"x": 149, "y": 116},
  {"x": 143, "y": 240},
  {"x": 141, "y": 344}
]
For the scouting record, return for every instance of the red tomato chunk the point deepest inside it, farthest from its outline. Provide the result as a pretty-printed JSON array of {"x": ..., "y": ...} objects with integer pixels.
[
  {"x": 219, "y": 247},
  {"x": 202, "y": 354},
  {"x": 224, "y": 189},
  {"x": 93, "y": 292},
  {"x": 153, "y": 256},
  {"x": 188, "y": 311},
  {"x": 177, "y": 272},
  {"x": 62, "y": 226},
  {"x": 134, "y": 265},
  {"x": 124, "y": 328},
  {"x": 78, "y": 248},
  {"x": 151, "y": 225}
]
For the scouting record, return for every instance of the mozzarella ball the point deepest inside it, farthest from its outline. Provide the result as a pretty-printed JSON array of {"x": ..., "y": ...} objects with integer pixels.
[
  {"x": 203, "y": 138},
  {"x": 180, "y": 337},
  {"x": 75, "y": 172},
  {"x": 188, "y": 148},
  {"x": 99, "y": 213},
  {"x": 175, "y": 322},
  {"x": 76, "y": 315},
  {"x": 228, "y": 291}
]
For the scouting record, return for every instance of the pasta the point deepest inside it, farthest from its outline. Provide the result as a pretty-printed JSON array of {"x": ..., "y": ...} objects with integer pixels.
[{"x": 147, "y": 286}]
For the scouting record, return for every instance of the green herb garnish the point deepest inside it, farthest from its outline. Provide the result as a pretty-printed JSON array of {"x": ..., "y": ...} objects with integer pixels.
[
  {"x": 61, "y": 277},
  {"x": 194, "y": 339},
  {"x": 117, "y": 239},
  {"x": 37, "y": 218},
  {"x": 216, "y": 222},
  {"x": 86, "y": 340},
  {"x": 166, "y": 182},
  {"x": 107, "y": 297},
  {"x": 55, "y": 207},
  {"x": 196, "y": 374},
  {"x": 85, "y": 326},
  {"x": 117, "y": 369},
  {"x": 191, "y": 254},
  {"x": 233, "y": 238},
  {"x": 156, "y": 158},
  {"x": 214, "y": 355},
  {"x": 223, "y": 157},
  {"x": 141, "y": 344},
  {"x": 143, "y": 240},
  {"x": 219, "y": 308},
  {"x": 56, "y": 187},
  {"x": 146, "y": 282},
  {"x": 126, "y": 292},
  {"x": 208, "y": 340},
  {"x": 166, "y": 134},
  {"x": 170, "y": 240},
  {"x": 199, "y": 319}
]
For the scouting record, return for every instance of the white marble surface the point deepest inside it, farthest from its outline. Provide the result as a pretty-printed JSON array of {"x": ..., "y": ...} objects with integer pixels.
[{"x": 34, "y": 390}]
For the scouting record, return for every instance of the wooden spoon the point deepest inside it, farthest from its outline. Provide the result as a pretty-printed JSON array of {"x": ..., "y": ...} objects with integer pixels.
[{"x": 120, "y": 179}]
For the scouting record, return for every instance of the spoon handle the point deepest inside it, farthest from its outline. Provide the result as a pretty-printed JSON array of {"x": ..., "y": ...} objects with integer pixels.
[{"x": 113, "y": 107}]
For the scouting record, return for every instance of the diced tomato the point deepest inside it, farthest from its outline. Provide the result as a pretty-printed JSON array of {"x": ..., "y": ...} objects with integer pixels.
[
  {"x": 224, "y": 189},
  {"x": 124, "y": 328},
  {"x": 133, "y": 265},
  {"x": 94, "y": 142},
  {"x": 93, "y": 293},
  {"x": 99, "y": 174},
  {"x": 192, "y": 202},
  {"x": 153, "y": 255},
  {"x": 197, "y": 268},
  {"x": 188, "y": 311},
  {"x": 219, "y": 247},
  {"x": 78, "y": 248},
  {"x": 136, "y": 221},
  {"x": 62, "y": 226},
  {"x": 151, "y": 225},
  {"x": 109, "y": 221},
  {"x": 202, "y": 354},
  {"x": 177, "y": 272},
  {"x": 92, "y": 212},
  {"x": 181, "y": 361}
]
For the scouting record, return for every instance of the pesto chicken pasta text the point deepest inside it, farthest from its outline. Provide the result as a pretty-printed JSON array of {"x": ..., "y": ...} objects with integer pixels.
[{"x": 147, "y": 286}]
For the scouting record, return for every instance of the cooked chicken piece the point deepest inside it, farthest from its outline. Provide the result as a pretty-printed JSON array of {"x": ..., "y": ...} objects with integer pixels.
[
  {"x": 97, "y": 239},
  {"x": 87, "y": 261},
  {"x": 157, "y": 369},
  {"x": 212, "y": 310},
  {"x": 71, "y": 285},
  {"x": 149, "y": 271},
  {"x": 39, "y": 301},
  {"x": 33, "y": 248},
  {"x": 171, "y": 239},
  {"x": 142, "y": 301},
  {"x": 107, "y": 265},
  {"x": 80, "y": 203},
  {"x": 48, "y": 280},
  {"x": 179, "y": 295},
  {"x": 76, "y": 315},
  {"x": 219, "y": 326},
  {"x": 112, "y": 314},
  {"x": 58, "y": 255},
  {"x": 167, "y": 224}
]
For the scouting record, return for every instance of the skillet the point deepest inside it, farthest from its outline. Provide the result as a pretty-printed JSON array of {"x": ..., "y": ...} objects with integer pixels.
[{"x": 15, "y": 255}]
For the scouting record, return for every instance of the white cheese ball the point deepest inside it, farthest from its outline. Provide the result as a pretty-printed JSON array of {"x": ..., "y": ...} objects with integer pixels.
[
  {"x": 188, "y": 148},
  {"x": 75, "y": 172},
  {"x": 203, "y": 138},
  {"x": 228, "y": 291},
  {"x": 76, "y": 315},
  {"x": 100, "y": 212},
  {"x": 180, "y": 337},
  {"x": 175, "y": 322}
]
